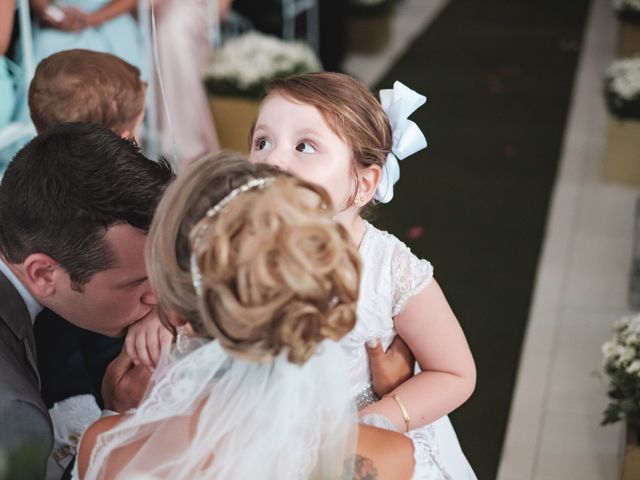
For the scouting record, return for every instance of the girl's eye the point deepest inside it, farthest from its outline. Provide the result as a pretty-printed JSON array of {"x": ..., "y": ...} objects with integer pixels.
[
  {"x": 305, "y": 147},
  {"x": 263, "y": 144}
]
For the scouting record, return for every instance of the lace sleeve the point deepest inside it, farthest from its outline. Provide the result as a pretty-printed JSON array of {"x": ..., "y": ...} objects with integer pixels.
[
  {"x": 428, "y": 465},
  {"x": 410, "y": 275}
]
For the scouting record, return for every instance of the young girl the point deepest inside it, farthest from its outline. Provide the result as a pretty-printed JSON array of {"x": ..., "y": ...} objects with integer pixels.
[
  {"x": 329, "y": 129},
  {"x": 252, "y": 260}
]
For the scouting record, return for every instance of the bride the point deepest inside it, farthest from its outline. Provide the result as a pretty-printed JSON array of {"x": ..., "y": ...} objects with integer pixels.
[{"x": 252, "y": 261}]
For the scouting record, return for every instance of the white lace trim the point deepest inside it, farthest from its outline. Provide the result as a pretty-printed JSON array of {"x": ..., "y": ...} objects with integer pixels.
[
  {"x": 426, "y": 455},
  {"x": 410, "y": 275},
  {"x": 425, "y": 448},
  {"x": 358, "y": 336}
]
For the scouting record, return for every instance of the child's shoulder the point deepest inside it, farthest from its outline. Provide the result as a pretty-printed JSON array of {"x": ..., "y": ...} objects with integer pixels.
[
  {"x": 381, "y": 244},
  {"x": 390, "y": 258},
  {"x": 377, "y": 238},
  {"x": 374, "y": 233}
]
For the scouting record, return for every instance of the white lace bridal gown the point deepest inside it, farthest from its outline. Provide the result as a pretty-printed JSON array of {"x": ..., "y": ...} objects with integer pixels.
[{"x": 391, "y": 275}]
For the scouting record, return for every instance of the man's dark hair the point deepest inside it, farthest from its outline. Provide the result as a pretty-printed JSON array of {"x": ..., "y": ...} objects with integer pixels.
[{"x": 63, "y": 190}]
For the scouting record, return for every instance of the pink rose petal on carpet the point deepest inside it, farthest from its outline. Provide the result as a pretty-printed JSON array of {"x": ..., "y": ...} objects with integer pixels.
[
  {"x": 415, "y": 233},
  {"x": 509, "y": 151}
]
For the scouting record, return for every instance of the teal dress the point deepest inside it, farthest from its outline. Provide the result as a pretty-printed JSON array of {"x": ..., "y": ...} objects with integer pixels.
[
  {"x": 8, "y": 95},
  {"x": 7, "y": 92},
  {"x": 119, "y": 36}
]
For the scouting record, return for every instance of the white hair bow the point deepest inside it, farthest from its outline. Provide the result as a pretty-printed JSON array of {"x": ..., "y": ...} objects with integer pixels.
[{"x": 407, "y": 137}]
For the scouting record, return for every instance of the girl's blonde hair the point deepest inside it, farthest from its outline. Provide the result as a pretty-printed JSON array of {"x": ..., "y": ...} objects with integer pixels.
[
  {"x": 277, "y": 271},
  {"x": 348, "y": 107}
]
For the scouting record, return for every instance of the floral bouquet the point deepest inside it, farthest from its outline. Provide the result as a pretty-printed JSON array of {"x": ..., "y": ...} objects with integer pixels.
[
  {"x": 622, "y": 88},
  {"x": 621, "y": 358},
  {"x": 627, "y": 10},
  {"x": 245, "y": 64}
]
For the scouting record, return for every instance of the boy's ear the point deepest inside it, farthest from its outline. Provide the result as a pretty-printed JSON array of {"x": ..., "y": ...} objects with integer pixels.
[
  {"x": 40, "y": 273},
  {"x": 369, "y": 178},
  {"x": 133, "y": 131}
]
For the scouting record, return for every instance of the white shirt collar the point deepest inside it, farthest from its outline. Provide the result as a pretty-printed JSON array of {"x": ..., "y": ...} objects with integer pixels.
[{"x": 32, "y": 305}]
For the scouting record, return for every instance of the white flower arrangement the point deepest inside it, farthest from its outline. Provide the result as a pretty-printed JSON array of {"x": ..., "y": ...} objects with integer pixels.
[
  {"x": 245, "y": 64},
  {"x": 619, "y": 5},
  {"x": 622, "y": 87},
  {"x": 627, "y": 10},
  {"x": 621, "y": 364}
]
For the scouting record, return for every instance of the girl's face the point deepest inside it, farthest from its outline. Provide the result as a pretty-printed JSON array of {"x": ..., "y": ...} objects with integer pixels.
[{"x": 294, "y": 137}]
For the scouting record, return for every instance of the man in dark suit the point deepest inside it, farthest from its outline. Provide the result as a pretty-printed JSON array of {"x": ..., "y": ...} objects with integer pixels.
[
  {"x": 75, "y": 207},
  {"x": 71, "y": 360},
  {"x": 24, "y": 419}
]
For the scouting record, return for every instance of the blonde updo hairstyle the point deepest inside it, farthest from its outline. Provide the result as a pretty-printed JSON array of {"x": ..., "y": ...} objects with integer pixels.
[{"x": 277, "y": 273}]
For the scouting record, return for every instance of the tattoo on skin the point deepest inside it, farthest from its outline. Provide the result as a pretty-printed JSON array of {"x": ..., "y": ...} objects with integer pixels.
[{"x": 363, "y": 468}]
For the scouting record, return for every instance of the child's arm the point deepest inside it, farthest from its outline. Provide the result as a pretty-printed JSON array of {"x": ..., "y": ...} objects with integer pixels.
[
  {"x": 448, "y": 375},
  {"x": 7, "y": 10},
  {"x": 146, "y": 340}
]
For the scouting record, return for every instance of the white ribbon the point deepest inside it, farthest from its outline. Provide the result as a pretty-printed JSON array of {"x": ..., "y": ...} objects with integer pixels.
[{"x": 407, "y": 138}]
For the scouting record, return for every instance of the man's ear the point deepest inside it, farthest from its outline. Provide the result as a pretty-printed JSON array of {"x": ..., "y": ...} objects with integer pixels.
[
  {"x": 40, "y": 273},
  {"x": 368, "y": 180}
]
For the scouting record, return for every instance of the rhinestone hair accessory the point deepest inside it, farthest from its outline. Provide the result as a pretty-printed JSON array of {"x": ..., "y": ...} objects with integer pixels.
[{"x": 253, "y": 184}]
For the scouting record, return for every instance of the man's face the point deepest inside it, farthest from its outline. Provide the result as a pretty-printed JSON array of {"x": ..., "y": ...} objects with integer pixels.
[{"x": 115, "y": 298}]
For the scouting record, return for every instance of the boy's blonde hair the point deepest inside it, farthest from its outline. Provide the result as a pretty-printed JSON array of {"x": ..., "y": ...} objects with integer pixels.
[
  {"x": 277, "y": 272},
  {"x": 86, "y": 86}
]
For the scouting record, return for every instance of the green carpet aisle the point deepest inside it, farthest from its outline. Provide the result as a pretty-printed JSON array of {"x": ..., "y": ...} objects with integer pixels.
[{"x": 498, "y": 76}]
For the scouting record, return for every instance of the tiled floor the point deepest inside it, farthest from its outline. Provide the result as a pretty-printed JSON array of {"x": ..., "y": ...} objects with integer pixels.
[
  {"x": 581, "y": 289},
  {"x": 411, "y": 19},
  {"x": 581, "y": 285}
]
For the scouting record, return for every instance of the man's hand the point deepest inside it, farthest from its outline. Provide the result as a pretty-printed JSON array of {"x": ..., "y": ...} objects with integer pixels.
[
  {"x": 124, "y": 384},
  {"x": 147, "y": 340},
  {"x": 391, "y": 368}
]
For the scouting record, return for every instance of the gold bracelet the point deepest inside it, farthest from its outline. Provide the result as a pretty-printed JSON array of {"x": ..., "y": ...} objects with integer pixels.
[{"x": 405, "y": 414}]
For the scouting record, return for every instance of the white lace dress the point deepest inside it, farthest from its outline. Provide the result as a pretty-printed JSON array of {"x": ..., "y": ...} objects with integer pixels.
[{"x": 391, "y": 275}]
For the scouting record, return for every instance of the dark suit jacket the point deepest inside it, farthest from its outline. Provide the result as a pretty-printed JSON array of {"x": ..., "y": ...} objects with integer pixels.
[
  {"x": 71, "y": 361},
  {"x": 24, "y": 418}
]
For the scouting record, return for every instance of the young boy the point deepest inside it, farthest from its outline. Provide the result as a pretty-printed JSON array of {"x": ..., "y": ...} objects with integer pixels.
[{"x": 86, "y": 86}]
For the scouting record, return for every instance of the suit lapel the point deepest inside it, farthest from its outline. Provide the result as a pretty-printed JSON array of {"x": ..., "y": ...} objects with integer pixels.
[
  {"x": 14, "y": 313},
  {"x": 30, "y": 350}
]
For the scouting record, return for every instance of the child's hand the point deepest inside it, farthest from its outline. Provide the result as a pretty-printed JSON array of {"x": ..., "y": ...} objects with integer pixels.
[
  {"x": 391, "y": 368},
  {"x": 146, "y": 340}
]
